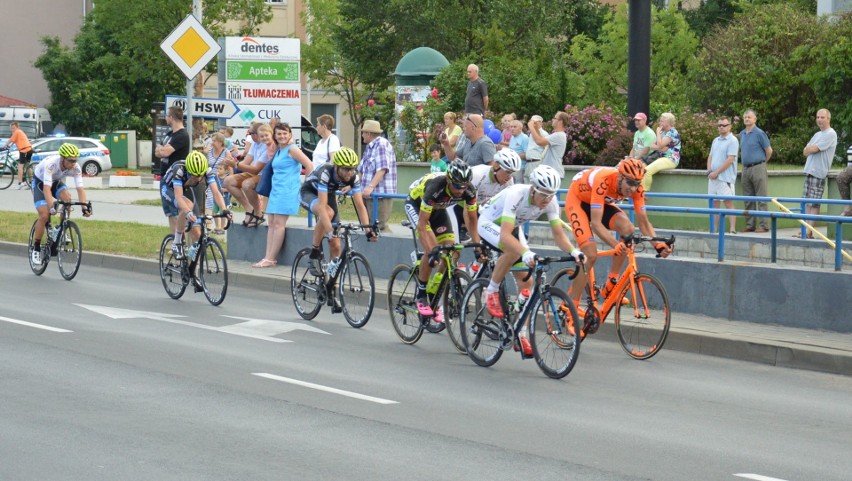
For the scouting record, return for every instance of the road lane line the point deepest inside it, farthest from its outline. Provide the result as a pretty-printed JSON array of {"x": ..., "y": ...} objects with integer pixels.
[
  {"x": 32, "y": 324},
  {"x": 320, "y": 387},
  {"x": 757, "y": 477}
]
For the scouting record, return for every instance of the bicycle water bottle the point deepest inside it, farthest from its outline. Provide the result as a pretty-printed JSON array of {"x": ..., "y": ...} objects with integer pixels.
[
  {"x": 52, "y": 233},
  {"x": 193, "y": 251},
  {"x": 434, "y": 282},
  {"x": 522, "y": 298},
  {"x": 332, "y": 266},
  {"x": 414, "y": 257}
]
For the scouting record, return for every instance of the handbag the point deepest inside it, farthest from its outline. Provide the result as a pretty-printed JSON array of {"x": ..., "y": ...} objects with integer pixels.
[
  {"x": 264, "y": 185},
  {"x": 652, "y": 156}
]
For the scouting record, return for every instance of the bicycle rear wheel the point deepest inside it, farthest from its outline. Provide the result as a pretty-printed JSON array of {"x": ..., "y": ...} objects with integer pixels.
[
  {"x": 7, "y": 176},
  {"x": 357, "y": 290},
  {"x": 308, "y": 291},
  {"x": 555, "y": 349},
  {"x": 38, "y": 269},
  {"x": 213, "y": 272},
  {"x": 69, "y": 251},
  {"x": 452, "y": 307},
  {"x": 480, "y": 332},
  {"x": 172, "y": 270},
  {"x": 405, "y": 318},
  {"x": 643, "y": 322}
]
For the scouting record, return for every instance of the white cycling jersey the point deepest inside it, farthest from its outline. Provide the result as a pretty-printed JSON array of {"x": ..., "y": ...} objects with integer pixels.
[
  {"x": 486, "y": 186},
  {"x": 50, "y": 170},
  {"x": 513, "y": 204}
]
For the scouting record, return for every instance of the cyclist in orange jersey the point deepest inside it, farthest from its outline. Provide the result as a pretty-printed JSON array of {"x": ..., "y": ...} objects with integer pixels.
[{"x": 590, "y": 209}]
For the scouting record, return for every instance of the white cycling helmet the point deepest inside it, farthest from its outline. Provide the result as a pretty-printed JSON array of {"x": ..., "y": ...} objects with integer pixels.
[
  {"x": 545, "y": 178},
  {"x": 508, "y": 160}
]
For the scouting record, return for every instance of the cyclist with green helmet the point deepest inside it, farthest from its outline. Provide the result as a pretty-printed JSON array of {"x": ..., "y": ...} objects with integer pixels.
[
  {"x": 48, "y": 185},
  {"x": 176, "y": 185},
  {"x": 318, "y": 195}
]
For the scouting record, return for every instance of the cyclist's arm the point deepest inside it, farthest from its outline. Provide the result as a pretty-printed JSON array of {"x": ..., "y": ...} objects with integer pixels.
[
  {"x": 560, "y": 238},
  {"x": 217, "y": 195},
  {"x": 184, "y": 204},
  {"x": 363, "y": 215},
  {"x": 600, "y": 230},
  {"x": 470, "y": 220}
]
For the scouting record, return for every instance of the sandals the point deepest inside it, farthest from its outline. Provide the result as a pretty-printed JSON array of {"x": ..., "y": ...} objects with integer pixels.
[
  {"x": 264, "y": 263},
  {"x": 252, "y": 220}
]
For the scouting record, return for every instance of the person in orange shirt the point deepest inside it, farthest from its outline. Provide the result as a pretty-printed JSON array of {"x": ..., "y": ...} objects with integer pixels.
[
  {"x": 590, "y": 209},
  {"x": 25, "y": 151}
]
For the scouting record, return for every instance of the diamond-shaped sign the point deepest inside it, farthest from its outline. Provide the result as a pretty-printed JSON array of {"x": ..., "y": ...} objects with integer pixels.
[{"x": 190, "y": 46}]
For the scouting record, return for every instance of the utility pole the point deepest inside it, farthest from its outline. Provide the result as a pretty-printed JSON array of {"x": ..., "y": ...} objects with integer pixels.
[
  {"x": 638, "y": 58},
  {"x": 190, "y": 105}
]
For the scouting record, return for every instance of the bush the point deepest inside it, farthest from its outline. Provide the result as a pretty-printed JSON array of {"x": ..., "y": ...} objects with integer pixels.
[
  {"x": 589, "y": 131},
  {"x": 616, "y": 148},
  {"x": 697, "y": 131}
]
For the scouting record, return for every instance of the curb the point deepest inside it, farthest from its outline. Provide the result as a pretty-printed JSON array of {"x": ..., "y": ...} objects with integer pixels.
[{"x": 779, "y": 353}]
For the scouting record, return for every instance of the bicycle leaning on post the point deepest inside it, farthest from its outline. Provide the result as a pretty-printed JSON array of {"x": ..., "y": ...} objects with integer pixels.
[
  {"x": 640, "y": 301},
  {"x": 64, "y": 242},
  {"x": 9, "y": 170},
  {"x": 347, "y": 280},
  {"x": 203, "y": 265}
]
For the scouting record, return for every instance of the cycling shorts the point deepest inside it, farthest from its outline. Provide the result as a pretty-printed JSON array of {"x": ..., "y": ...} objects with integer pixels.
[
  {"x": 440, "y": 222},
  {"x": 579, "y": 214},
  {"x": 489, "y": 233},
  {"x": 308, "y": 198},
  {"x": 38, "y": 191}
]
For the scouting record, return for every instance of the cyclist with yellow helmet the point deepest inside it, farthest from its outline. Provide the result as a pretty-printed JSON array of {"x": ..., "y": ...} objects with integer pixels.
[
  {"x": 176, "y": 185},
  {"x": 318, "y": 195},
  {"x": 48, "y": 186}
]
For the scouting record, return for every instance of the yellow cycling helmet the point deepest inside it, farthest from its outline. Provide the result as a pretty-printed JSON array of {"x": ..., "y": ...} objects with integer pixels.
[
  {"x": 345, "y": 157},
  {"x": 69, "y": 150},
  {"x": 196, "y": 163}
]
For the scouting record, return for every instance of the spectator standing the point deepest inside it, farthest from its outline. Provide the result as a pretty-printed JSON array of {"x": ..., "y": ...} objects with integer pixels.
[
  {"x": 519, "y": 143},
  {"x": 25, "y": 151},
  {"x": 819, "y": 153},
  {"x": 643, "y": 138},
  {"x": 722, "y": 169},
  {"x": 474, "y": 147},
  {"x": 329, "y": 144},
  {"x": 506, "y": 130},
  {"x": 554, "y": 144},
  {"x": 218, "y": 158},
  {"x": 437, "y": 163},
  {"x": 243, "y": 186},
  {"x": 175, "y": 147},
  {"x": 378, "y": 170},
  {"x": 451, "y": 128},
  {"x": 476, "y": 95},
  {"x": 534, "y": 152},
  {"x": 755, "y": 152},
  {"x": 667, "y": 143}
]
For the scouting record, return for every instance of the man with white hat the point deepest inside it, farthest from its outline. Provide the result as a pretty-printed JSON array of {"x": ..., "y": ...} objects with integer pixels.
[{"x": 377, "y": 170}]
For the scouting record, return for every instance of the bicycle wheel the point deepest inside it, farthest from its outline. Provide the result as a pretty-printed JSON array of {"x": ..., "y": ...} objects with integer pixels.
[
  {"x": 213, "y": 271},
  {"x": 7, "y": 176},
  {"x": 555, "y": 350},
  {"x": 38, "y": 269},
  {"x": 357, "y": 290},
  {"x": 643, "y": 322},
  {"x": 69, "y": 251},
  {"x": 28, "y": 174},
  {"x": 307, "y": 290},
  {"x": 452, "y": 306},
  {"x": 480, "y": 332},
  {"x": 403, "y": 311},
  {"x": 172, "y": 270}
]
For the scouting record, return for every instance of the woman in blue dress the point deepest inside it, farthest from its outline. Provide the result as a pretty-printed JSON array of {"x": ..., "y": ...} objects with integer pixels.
[{"x": 284, "y": 196}]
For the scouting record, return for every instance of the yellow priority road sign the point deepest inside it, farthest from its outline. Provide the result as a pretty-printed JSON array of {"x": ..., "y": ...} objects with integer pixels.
[{"x": 190, "y": 46}]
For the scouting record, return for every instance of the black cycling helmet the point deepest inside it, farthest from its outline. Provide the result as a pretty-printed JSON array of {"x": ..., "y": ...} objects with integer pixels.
[{"x": 459, "y": 172}]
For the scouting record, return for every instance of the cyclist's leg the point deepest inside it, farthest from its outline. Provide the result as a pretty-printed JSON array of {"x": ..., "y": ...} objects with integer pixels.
[
  {"x": 43, "y": 213},
  {"x": 618, "y": 221},
  {"x": 333, "y": 212},
  {"x": 578, "y": 216}
]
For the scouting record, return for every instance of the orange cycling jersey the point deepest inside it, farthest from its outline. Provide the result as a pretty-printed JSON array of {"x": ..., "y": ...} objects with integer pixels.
[{"x": 595, "y": 189}]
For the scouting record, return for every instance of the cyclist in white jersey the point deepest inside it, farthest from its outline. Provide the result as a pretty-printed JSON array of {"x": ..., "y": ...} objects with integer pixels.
[
  {"x": 47, "y": 186},
  {"x": 489, "y": 179},
  {"x": 498, "y": 227}
]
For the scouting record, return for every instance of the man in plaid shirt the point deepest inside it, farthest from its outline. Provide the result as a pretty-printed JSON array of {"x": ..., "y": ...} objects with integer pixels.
[{"x": 378, "y": 170}]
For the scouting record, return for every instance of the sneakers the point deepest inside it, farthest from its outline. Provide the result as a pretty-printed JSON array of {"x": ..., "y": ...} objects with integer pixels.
[
  {"x": 424, "y": 308},
  {"x": 177, "y": 250},
  {"x": 36, "y": 257},
  {"x": 336, "y": 308},
  {"x": 21, "y": 186},
  {"x": 492, "y": 302},
  {"x": 464, "y": 236},
  {"x": 315, "y": 265},
  {"x": 526, "y": 347}
]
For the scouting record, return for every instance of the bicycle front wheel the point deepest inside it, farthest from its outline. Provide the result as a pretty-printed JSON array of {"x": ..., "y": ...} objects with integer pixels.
[
  {"x": 452, "y": 307},
  {"x": 480, "y": 332},
  {"x": 555, "y": 340},
  {"x": 357, "y": 290},
  {"x": 38, "y": 269},
  {"x": 307, "y": 290},
  {"x": 213, "y": 272},
  {"x": 401, "y": 304},
  {"x": 643, "y": 321},
  {"x": 69, "y": 251},
  {"x": 7, "y": 176},
  {"x": 172, "y": 270}
]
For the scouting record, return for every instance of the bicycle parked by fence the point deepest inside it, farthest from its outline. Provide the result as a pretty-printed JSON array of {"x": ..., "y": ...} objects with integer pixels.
[
  {"x": 62, "y": 241},
  {"x": 203, "y": 264},
  {"x": 9, "y": 170},
  {"x": 548, "y": 311},
  {"x": 640, "y": 301},
  {"x": 346, "y": 283}
]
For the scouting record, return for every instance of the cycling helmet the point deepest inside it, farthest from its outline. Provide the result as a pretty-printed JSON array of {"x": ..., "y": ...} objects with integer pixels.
[
  {"x": 345, "y": 157},
  {"x": 459, "y": 172},
  {"x": 508, "y": 160},
  {"x": 632, "y": 168},
  {"x": 545, "y": 179},
  {"x": 69, "y": 150},
  {"x": 196, "y": 163}
]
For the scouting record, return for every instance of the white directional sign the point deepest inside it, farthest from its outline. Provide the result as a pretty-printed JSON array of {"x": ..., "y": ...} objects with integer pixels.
[
  {"x": 204, "y": 107},
  {"x": 190, "y": 46}
]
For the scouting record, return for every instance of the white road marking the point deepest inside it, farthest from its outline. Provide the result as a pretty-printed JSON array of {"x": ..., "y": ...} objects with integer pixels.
[
  {"x": 757, "y": 477},
  {"x": 320, "y": 387},
  {"x": 269, "y": 327},
  {"x": 32, "y": 324}
]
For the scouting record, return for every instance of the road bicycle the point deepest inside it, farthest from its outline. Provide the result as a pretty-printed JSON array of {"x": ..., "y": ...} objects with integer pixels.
[
  {"x": 202, "y": 264},
  {"x": 548, "y": 311},
  {"x": 9, "y": 170},
  {"x": 347, "y": 280},
  {"x": 443, "y": 292},
  {"x": 62, "y": 241},
  {"x": 640, "y": 302}
]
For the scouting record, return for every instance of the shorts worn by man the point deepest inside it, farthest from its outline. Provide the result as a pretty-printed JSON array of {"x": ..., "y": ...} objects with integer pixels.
[{"x": 820, "y": 153}]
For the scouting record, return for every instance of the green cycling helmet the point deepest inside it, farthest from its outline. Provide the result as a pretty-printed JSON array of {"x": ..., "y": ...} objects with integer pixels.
[
  {"x": 196, "y": 163},
  {"x": 69, "y": 150},
  {"x": 345, "y": 157}
]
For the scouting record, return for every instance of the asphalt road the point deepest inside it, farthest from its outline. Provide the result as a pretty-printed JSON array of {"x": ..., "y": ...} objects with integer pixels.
[{"x": 106, "y": 378}]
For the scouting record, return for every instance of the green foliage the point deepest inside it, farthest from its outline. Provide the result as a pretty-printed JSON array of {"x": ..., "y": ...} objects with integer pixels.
[
  {"x": 419, "y": 121},
  {"x": 589, "y": 131},
  {"x": 697, "y": 131}
]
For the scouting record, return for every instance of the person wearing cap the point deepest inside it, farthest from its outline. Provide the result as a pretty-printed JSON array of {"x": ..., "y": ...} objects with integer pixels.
[
  {"x": 643, "y": 138},
  {"x": 534, "y": 151},
  {"x": 377, "y": 170}
]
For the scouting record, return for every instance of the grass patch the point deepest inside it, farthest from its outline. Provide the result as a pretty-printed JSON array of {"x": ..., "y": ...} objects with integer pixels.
[{"x": 154, "y": 202}]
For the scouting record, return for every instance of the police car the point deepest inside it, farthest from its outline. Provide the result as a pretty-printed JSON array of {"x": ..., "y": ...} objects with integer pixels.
[{"x": 94, "y": 155}]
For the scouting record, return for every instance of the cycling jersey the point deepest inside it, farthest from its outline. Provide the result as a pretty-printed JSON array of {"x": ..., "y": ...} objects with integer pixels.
[
  {"x": 324, "y": 179},
  {"x": 514, "y": 204},
  {"x": 596, "y": 189},
  {"x": 432, "y": 192},
  {"x": 50, "y": 170},
  {"x": 177, "y": 175},
  {"x": 485, "y": 184}
]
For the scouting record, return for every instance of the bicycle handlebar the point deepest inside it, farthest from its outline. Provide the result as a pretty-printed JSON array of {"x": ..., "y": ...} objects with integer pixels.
[
  {"x": 209, "y": 217},
  {"x": 541, "y": 261}
]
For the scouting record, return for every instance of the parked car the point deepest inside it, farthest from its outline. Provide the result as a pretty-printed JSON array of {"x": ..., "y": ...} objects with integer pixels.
[{"x": 94, "y": 155}]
